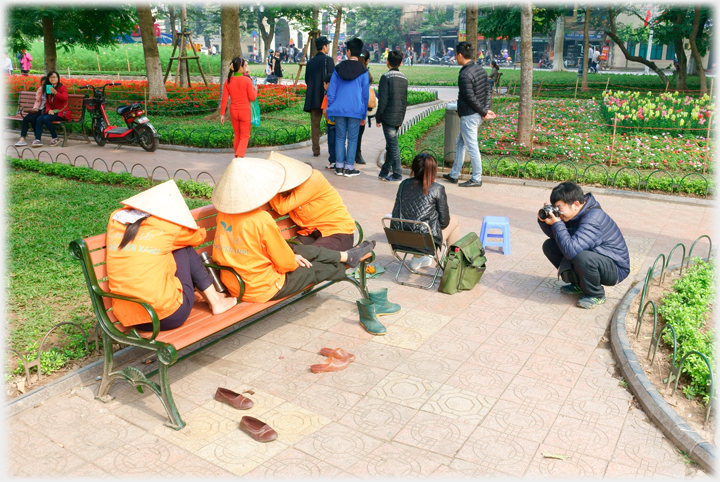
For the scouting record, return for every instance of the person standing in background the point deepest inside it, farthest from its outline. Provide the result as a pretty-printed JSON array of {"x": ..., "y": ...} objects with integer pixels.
[
  {"x": 25, "y": 62},
  {"x": 317, "y": 68},
  {"x": 242, "y": 92}
]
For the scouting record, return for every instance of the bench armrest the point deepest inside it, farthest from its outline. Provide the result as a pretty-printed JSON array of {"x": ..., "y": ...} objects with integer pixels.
[
  {"x": 360, "y": 232},
  {"x": 148, "y": 308},
  {"x": 231, "y": 270}
]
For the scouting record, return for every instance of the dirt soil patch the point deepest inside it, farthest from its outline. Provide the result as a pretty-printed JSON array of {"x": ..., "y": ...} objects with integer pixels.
[{"x": 692, "y": 411}]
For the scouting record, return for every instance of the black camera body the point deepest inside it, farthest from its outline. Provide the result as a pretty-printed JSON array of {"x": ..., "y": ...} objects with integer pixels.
[{"x": 544, "y": 213}]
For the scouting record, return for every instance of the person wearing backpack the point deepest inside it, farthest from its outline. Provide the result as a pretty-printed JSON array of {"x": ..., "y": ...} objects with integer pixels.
[
  {"x": 372, "y": 107},
  {"x": 392, "y": 104}
]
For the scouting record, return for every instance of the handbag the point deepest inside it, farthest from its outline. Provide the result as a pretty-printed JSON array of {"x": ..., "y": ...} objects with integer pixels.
[
  {"x": 271, "y": 79},
  {"x": 464, "y": 265},
  {"x": 255, "y": 113}
]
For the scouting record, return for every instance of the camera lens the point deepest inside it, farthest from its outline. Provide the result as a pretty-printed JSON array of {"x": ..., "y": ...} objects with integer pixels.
[{"x": 543, "y": 214}]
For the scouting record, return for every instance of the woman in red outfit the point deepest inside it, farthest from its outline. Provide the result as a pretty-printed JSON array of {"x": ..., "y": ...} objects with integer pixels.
[
  {"x": 56, "y": 108},
  {"x": 241, "y": 91}
]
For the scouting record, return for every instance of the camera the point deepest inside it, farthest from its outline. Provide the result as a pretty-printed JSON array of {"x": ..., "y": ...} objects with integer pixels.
[{"x": 544, "y": 213}]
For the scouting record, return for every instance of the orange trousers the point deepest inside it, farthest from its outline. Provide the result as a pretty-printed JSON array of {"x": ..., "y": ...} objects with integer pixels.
[{"x": 241, "y": 127}]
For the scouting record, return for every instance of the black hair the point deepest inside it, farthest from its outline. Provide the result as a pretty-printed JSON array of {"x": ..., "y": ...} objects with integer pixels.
[
  {"x": 567, "y": 192},
  {"x": 355, "y": 46},
  {"x": 464, "y": 49},
  {"x": 327, "y": 78},
  {"x": 365, "y": 54},
  {"x": 395, "y": 58},
  {"x": 47, "y": 78},
  {"x": 495, "y": 65},
  {"x": 235, "y": 65},
  {"x": 130, "y": 233},
  {"x": 424, "y": 169}
]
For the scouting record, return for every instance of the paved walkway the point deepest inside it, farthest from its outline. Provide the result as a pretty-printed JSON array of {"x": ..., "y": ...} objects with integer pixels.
[{"x": 477, "y": 384}]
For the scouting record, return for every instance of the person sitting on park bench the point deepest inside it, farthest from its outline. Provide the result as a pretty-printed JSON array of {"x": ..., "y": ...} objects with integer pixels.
[
  {"x": 249, "y": 240},
  {"x": 314, "y": 205},
  {"x": 585, "y": 245},
  {"x": 150, "y": 256}
]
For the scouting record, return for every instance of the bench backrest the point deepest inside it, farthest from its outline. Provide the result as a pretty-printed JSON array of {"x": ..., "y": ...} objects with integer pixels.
[{"x": 75, "y": 102}]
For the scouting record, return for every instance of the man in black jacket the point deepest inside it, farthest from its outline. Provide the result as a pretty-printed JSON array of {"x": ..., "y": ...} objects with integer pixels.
[
  {"x": 472, "y": 107},
  {"x": 320, "y": 66},
  {"x": 392, "y": 103}
]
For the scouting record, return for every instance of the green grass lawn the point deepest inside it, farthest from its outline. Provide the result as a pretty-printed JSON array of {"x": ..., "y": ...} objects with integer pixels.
[{"x": 45, "y": 285}]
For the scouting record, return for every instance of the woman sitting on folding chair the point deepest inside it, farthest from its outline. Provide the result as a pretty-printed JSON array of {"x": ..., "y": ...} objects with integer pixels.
[{"x": 420, "y": 198}]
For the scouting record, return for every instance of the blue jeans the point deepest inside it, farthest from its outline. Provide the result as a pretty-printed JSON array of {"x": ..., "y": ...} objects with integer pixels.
[
  {"x": 468, "y": 139},
  {"x": 392, "y": 156},
  {"x": 331, "y": 142},
  {"x": 46, "y": 119},
  {"x": 346, "y": 127}
]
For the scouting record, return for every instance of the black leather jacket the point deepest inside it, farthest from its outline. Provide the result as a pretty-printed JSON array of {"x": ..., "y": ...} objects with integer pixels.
[
  {"x": 473, "y": 90},
  {"x": 416, "y": 206},
  {"x": 392, "y": 98}
]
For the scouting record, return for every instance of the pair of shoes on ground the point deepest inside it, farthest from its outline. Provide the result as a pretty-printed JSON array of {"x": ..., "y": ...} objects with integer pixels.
[
  {"x": 419, "y": 262},
  {"x": 338, "y": 359},
  {"x": 377, "y": 305},
  {"x": 257, "y": 429},
  {"x": 468, "y": 183},
  {"x": 587, "y": 302},
  {"x": 390, "y": 177},
  {"x": 339, "y": 171}
]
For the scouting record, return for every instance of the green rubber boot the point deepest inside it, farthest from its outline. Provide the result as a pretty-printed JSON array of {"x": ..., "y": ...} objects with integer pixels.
[
  {"x": 382, "y": 305},
  {"x": 368, "y": 320}
]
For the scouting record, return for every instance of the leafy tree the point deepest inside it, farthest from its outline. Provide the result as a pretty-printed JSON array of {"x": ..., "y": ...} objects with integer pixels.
[
  {"x": 377, "y": 23},
  {"x": 67, "y": 27},
  {"x": 204, "y": 19},
  {"x": 503, "y": 21},
  {"x": 436, "y": 19},
  {"x": 301, "y": 13}
]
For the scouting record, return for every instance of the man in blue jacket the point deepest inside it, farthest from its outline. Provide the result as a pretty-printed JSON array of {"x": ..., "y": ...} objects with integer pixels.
[
  {"x": 347, "y": 96},
  {"x": 587, "y": 247}
]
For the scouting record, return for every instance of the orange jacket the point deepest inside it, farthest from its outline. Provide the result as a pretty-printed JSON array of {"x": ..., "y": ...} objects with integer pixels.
[
  {"x": 241, "y": 92},
  {"x": 252, "y": 244},
  {"x": 145, "y": 268},
  {"x": 315, "y": 204}
]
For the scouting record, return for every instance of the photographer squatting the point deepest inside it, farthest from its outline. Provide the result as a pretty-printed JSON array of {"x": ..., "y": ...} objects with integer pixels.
[{"x": 585, "y": 245}]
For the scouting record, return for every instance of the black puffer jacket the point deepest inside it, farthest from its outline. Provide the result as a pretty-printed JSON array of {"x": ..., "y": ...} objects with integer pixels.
[
  {"x": 392, "y": 98},
  {"x": 473, "y": 90},
  {"x": 416, "y": 206}
]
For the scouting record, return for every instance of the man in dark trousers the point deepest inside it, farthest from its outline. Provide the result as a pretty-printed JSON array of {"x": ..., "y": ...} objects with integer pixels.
[
  {"x": 392, "y": 104},
  {"x": 317, "y": 68}
]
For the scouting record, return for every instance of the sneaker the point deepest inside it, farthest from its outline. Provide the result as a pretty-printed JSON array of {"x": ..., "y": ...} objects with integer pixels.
[
  {"x": 590, "y": 302},
  {"x": 571, "y": 289},
  {"x": 339, "y": 171},
  {"x": 36, "y": 143},
  {"x": 471, "y": 183},
  {"x": 330, "y": 166},
  {"x": 421, "y": 262},
  {"x": 54, "y": 142},
  {"x": 359, "y": 159},
  {"x": 382, "y": 176},
  {"x": 393, "y": 178},
  {"x": 20, "y": 144},
  {"x": 450, "y": 178},
  {"x": 351, "y": 172}
]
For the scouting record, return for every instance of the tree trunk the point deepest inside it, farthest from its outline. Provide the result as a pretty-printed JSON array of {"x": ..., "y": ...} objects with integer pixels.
[
  {"x": 336, "y": 39},
  {"x": 696, "y": 53},
  {"x": 49, "y": 44},
  {"x": 524, "y": 129},
  {"x": 171, "y": 13},
  {"x": 586, "y": 49},
  {"x": 442, "y": 44},
  {"x": 153, "y": 67},
  {"x": 628, "y": 57},
  {"x": 681, "y": 80},
  {"x": 471, "y": 14},
  {"x": 230, "y": 39},
  {"x": 183, "y": 44},
  {"x": 558, "y": 60},
  {"x": 314, "y": 32},
  {"x": 267, "y": 35}
]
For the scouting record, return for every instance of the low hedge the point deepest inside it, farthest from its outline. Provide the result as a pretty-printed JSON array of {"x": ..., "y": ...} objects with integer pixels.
[{"x": 406, "y": 141}]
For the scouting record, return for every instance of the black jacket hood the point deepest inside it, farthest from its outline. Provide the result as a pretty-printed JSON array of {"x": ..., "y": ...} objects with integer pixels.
[{"x": 350, "y": 69}]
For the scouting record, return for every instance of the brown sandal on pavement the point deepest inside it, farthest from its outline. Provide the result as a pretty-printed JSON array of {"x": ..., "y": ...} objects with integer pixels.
[
  {"x": 233, "y": 399},
  {"x": 257, "y": 429},
  {"x": 338, "y": 353},
  {"x": 333, "y": 365}
]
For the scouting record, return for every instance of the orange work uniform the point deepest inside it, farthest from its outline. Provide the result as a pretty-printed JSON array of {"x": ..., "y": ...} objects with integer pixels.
[
  {"x": 241, "y": 91},
  {"x": 145, "y": 267},
  {"x": 315, "y": 204},
  {"x": 252, "y": 244}
]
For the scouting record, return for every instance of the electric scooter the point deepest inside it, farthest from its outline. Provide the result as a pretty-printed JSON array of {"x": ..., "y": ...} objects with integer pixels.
[{"x": 139, "y": 131}]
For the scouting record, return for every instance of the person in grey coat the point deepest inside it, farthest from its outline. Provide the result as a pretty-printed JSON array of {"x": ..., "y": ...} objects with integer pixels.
[{"x": 585, "y": 244}]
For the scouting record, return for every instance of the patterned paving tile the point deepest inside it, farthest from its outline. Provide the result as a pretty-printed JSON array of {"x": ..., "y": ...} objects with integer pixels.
[
  {"x": 297, "y": 366},
  {"x": 516, "y": 340},
  {"x": 260, "y": 354},
  {"x": 550, "y": 371},
  {"x": 500, "y": 357},
  {"x": 435, "y": 367},
  {"x": 595, "y": 407},
  {"x": 435, "y": 433},
  {"x": 292, "y": 423},
  {"x": 561, "y": 351},
  {"x": 203, "y": 426},
  {"x": 292, "y": 335},
  {"x": 380, "y": 418},
  {"x": 459, "y": 404},
  {"x": 356, "y": 378},
  {"x": 601, "y": 382},
  {"x": 519, "y": 420},
  {"x": 281, "y": 385},
  {"x": 584, "y": 437},
  {"x": 498, "y": 451},
  {"x": 527, "y": 324},
  {"x": 339, "y": 445},
  {"x": 30, "y": 453},
  {"x": 404, "y": 389},
  {"x": 293, "y": 464},
  {"x": 380, "y": 355},
  {"x": 449, "y": 346},
  {"x": 576, "y": 466},
  {"x": 262, "y": 402},
  {"x": 474, "y": 378},
  {"x": 532, "y": 393},
  {"x": 391, "y": 460},
  {"x": 237, "y": 453},
  {"x": 331, "y": 339},
  {"x": 402, "y": 336}
]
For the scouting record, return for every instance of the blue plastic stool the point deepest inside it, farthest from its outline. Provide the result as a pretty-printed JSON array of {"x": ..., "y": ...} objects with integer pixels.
[{"x": 496, "y": 222}]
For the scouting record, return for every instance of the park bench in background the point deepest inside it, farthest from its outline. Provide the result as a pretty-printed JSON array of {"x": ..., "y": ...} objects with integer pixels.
[
  {"x": 26, "y": 101},
  {"x": 201, "y": 323}
]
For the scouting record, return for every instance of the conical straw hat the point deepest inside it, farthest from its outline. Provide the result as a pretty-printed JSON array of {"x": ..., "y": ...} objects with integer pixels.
[
  {"x": 246, "y": 184},
  {"x": 165, "y": 202},
  {"x": 296, "y": 172}
]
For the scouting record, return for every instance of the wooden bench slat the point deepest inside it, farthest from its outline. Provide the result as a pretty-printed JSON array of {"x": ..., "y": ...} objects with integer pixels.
[
  {"x": 207, "y": 223},
  {"x": 101, "y": 271},
  {"x": 95, "y": 242},
  {"x": 98, "y": 256}
]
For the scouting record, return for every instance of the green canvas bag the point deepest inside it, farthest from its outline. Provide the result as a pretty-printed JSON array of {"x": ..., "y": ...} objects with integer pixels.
[{"x": 464, "y": 265}]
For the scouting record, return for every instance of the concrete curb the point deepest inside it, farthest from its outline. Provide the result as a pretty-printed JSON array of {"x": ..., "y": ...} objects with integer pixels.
[
  {"x": 207, "y": 150},
  {"x": 652, "y": 402}
]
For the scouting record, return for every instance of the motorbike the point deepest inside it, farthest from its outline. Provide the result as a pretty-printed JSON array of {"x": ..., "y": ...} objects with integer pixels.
[
  {"x": 544, "y": 63},
  {"x": 434, "y": 60},
  {"x": 139, "y": 131}
]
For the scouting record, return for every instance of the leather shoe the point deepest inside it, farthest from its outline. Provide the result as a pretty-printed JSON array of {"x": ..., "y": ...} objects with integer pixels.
[
  {"x": 233, "y": 399},
  {"x": 338, "y": 353},
  {"x": 257, "y": 429},
  {"x": 450, "y": 178},
  {"x": 471, "y": 184},
  {"x": 333, "y": 365},
  {"x": 316, "y": 154}
]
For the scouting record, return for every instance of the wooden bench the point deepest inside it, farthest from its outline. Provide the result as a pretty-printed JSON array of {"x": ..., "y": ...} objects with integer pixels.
[
  {"x": 26, "y": 101},
  {"x": 200, "y": 325}
]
